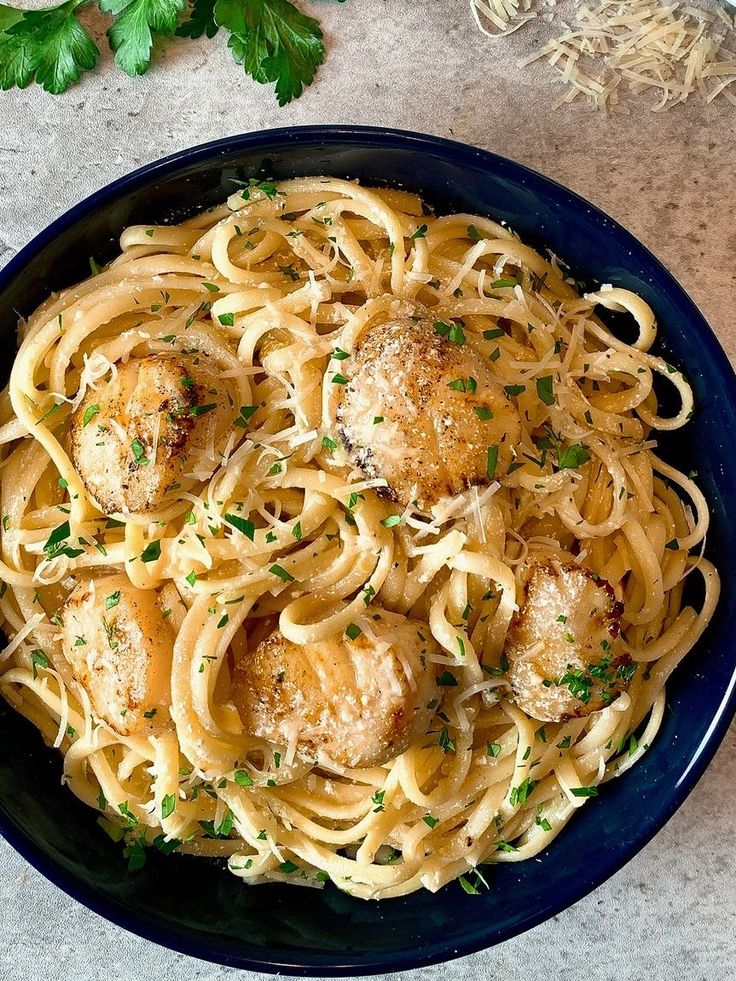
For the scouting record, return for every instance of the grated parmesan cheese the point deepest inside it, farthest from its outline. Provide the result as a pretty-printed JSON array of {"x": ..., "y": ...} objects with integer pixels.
[{"x": 635, "y": 46}]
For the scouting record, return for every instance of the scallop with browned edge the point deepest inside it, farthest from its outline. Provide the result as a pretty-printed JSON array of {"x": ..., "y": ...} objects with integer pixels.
[
  {"x": 119, "y": 645},
  {"x": 567, "y": 657},
  {"x": 356, "y": 700},
  {"x": 423, "y": 411},
  {"x": 157, "y": 418}
]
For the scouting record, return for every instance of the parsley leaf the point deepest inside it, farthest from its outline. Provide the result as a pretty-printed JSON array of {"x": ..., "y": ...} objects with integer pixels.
[
  {"x": 131, "y": 35},
  {"x": 48, "y": 46},
  {"x": 152, "y": 551},
  {"x": 201, "y": 20},
  {"x": 243, "y": 525},
  {"x": 273, "y": 42},
  {"x": 572, "y": 457}
]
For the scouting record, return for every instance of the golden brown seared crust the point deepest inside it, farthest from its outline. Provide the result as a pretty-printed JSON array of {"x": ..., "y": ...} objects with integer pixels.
[
  {"x": 567, "y": 657},
  {"x": 119, "y": 646},
  {"x": 132, "y": 439},
  {"x": 433, "y": 439},
  {"x": 348, "y": 700}
]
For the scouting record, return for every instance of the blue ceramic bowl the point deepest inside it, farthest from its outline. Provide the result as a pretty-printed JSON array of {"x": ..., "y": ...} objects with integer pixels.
[{"x": 195, "y": 906}]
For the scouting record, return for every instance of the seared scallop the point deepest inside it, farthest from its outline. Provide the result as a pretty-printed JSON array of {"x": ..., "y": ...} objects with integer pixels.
[
  {"x": 564, "y": 645},
  {"x": 423, "y": 411},
  {"x": 119, "y": 646},
  {"x": 357, "y": 701},
  {"x": 155, "y": 420}
]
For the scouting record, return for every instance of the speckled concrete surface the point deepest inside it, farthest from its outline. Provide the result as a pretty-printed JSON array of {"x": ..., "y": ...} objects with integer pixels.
[{"x": 417, "y": 64}]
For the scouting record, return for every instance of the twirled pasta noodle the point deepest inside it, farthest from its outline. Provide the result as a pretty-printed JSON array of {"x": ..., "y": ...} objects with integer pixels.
[{"x": 267, "y": 287}]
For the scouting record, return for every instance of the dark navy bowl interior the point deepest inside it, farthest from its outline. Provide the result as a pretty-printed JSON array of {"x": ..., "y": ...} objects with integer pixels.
[{"x": 196, "y": 906}]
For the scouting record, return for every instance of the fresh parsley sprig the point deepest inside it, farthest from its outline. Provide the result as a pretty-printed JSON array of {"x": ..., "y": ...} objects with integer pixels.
[{"x": 272, "y": 39}]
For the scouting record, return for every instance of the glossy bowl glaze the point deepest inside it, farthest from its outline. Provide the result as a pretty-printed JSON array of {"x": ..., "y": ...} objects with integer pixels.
[{"x": 195, "y": 906}]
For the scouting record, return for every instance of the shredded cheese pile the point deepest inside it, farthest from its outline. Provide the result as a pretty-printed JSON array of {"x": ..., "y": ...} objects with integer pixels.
[{"x": 628, "y": 46}]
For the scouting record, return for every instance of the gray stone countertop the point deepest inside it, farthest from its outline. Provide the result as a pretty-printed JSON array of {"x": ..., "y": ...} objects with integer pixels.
[{"x": 421, "y": 65}]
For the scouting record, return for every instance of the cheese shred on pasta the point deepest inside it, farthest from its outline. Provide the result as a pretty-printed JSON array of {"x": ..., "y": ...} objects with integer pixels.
[{"x": 273, "y": 523}]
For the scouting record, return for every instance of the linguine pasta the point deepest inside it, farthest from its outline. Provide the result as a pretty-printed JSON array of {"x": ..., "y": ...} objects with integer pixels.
[{"x": 273, "y": 523}]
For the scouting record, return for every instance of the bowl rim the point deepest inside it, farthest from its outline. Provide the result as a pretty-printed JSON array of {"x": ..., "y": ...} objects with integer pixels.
[{"x": 327, "y": 965}]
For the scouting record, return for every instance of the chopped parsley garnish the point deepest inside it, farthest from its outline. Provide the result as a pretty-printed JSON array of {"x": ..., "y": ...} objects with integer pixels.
[
  {"x": 55, "y": 544},
  {"x": 227, "y": 319},
  {"x": 329, "y": 444},
  {"x": 211, "y": 287},
  {"x": 279, "y": 571},
  {"x": 200, "y": 410},
  {"x": 112, "y": 600},
  {"x": 222, "y": 830},
  {"x": 493, "y": 749},
  {"x": 572, "y": 457},
  {"x": 139, "y": 453},
  {"x": 466, "y": 885},
  {"x": 353, "y": 631},
  {"x": 513, "y": 390},
  {"x": 445, "y": 742},
  {"x": 483, "y": 413},
  {"x": 447, "y": 680},
  {"x": 584, "y": 791},
  {"x": 420, "y": 232},
  {"x": 38, "y": 660},
  {"x": 544, "y": 389},
  {"x": 456, "y": 334},
  {"x": 338, "y": 379},
  {"x": 167, "y": 806},
  {"x": 452, "y": 331},
  {"x": 243, "y": 525},
  {"x": 152, "y": 551},
  {"x": 128, "y": 814},
  {"x": 491, "y": 461},
  {"x": 89, "y": 414},
  {"x": 430, "y": 821},
  {"x": 243, "y": 778},
  {"x": 391, "y": 521},
  {"x": 579, "y": 684},
  {"x": 166, "y": 845},
  {"x": 520, "y": 794},
  {"x": 246, "y": 411},
  {"x": 463, "y": 385},
  {"x": 110, "y": 632},
  {"x": 473, "y": 234},
  {"x": 377, "y": 800}
]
